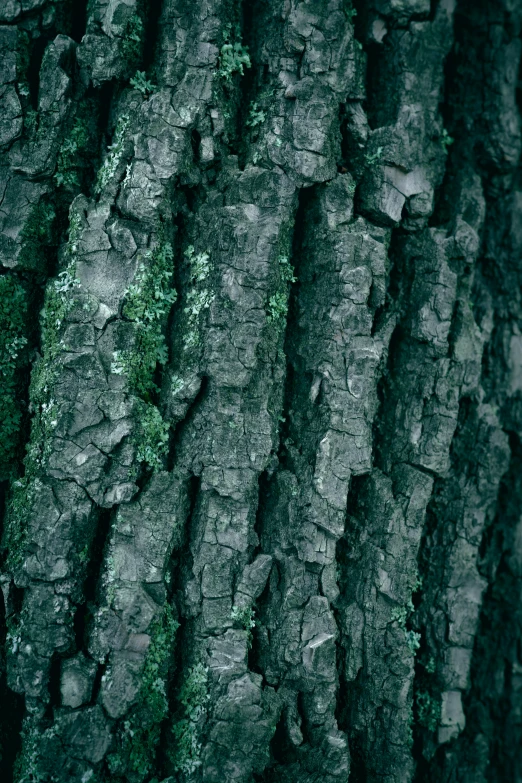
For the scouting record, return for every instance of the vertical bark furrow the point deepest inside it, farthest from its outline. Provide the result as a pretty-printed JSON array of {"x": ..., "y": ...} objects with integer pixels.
[
  {"x": 96, "y": 425},
  {"x": 466, "y": 536},
  {"x": 267, "y": 525},
  {"x": 401, "y": 167},
  {"x": 341, "y": 281},
  {"x": 237, "y": 424}
]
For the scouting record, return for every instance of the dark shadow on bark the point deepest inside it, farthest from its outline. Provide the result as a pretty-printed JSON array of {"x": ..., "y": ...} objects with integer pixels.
[
  {"x": 357, "y": 768},
  {"x": 91, "y": 585},
  {"x": 33, "y": 71},
  {"x": 54, "y": 685},
  {"x": 491, "y": 704},
  {"x": 78, "y": 19},
  {"x": 153, "y": 14},
  {"x": 11, "y": 712},
  {"x": 177, "y": 432},
  {"x": 281, "y": 749},
  {"x": 4, "y": 486}
]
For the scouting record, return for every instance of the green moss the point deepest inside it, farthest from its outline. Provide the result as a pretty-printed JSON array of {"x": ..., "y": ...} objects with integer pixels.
[
  {"x": 79, "y": 147},
  {"x": 428, "y": 710},
  {"x": 59, "y": 299},
  {"x": 110, "y": 165},
  {"x": 140, "y": 82},
  {"x": 140, "y": 733},
  {"x": 36, "y": 236},
  {"x": 131, "y": 45},
  {"x": 277, "y": 308},
  {"x": 152, "y": 437},
  {"x": 13, "y": 357},
  {"x": 256, "y": 116},
  {"x": 233, "y": 56},
  {"x": 193, "y": 698},
  {"x": 147, "y": 304},
  {"x": 244, "y": 616},
  {"x": 199, "y": 296}
]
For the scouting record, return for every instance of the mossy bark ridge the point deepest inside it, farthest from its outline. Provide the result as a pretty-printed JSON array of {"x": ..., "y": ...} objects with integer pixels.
[{"x": 261, "y": 416}]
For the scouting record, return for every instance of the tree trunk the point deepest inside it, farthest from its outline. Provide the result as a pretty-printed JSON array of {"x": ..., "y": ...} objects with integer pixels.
[{"x": 261, "y": 417}]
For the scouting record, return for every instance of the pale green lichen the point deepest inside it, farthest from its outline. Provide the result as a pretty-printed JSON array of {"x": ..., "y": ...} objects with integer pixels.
[
  {"x": 13, "y": 357},
  {"x": 193, "y": 698},
  {"x": 245, "y": 617},
  {"x": 256, "y": 116},
  {"x": 147, "y": 304},
  {"x": 59, "y": 300},
  {"x": 131, "y": 44},
  {"x": 140, "y": 83},
  {"x": 233, "y": 58},
  {"x": 79, "y": 146},
  {"x": 445, "y": 140},
  {"x": 428, "y": 710},
  {"x": 140, "y": 732},
  {"x": 277, "y": 307},
  {"x": 199, "y": 296},
  {"x": 113, "y": 158},
  {"x": 401, "y": 614}
]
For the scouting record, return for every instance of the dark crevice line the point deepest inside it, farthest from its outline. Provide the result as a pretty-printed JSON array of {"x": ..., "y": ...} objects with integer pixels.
[
  {"x": 152, "y": 19},
  {"x": 13, "y": 708},
  {"x": 78, "y": 24},
  {"x": 4, "y": 486},
  {"x": 177, "y": 432},
  {"x": 291, "y": 382},
  {"x": 33, "y": 71},
  {"x": 179, "y": 568},
  {"x": 54, "y": 685},
  {"x": 433, "y": 549},
  {"x": 94, "y": 574},
  {"x": 252, "y": 15},
  {"x": 263, "y": 493},
  {"x": 497, "y": 643},
  {"x": 96, "y": 687}
]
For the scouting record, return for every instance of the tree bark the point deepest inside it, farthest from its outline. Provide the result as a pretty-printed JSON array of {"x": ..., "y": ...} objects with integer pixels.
[{"x": 261, "y": 416}]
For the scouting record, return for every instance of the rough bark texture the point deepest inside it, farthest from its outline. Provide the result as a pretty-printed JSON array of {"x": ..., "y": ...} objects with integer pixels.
[{"x": 261, "y": 411}]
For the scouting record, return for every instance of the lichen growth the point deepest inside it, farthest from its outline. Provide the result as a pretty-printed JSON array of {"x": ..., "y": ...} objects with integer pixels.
[
  {"x": 445, "y": 140},
  {"x": 13, "y": 357},
  {"x": 277, "y": 307},
  {"x": 59, "y": 299},
  {"x": 110, "y": 165},
  {"x": 140, "y": 731},
  {"x": 152, "y": 437},
  {"x": 428, "y": 710},
  {"x": 36, "y": 235},
  {"x": 140, "y": 82},
  {"x": 256, "y": 116},
  {"x": 78, "y": 148},
  {"x": 233, "y": 56},
  {"x": 147, "y": 304},
  {"x": 193, "y": 698},
  {"x": 131, "y": 45},
  {"x": 244, "y": 616},
  {"x": 199, "y": 296}
]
